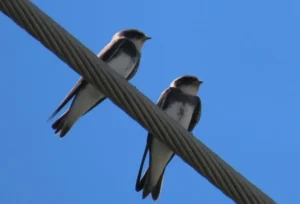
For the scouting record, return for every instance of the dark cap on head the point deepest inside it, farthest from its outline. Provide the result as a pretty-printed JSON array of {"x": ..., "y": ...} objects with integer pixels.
[
  {"x": 186, "y": 80},
  {"x": 133, "y": 34}
]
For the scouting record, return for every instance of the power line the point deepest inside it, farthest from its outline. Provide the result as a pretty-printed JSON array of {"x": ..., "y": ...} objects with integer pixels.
[{"x": 133, "y": 102}]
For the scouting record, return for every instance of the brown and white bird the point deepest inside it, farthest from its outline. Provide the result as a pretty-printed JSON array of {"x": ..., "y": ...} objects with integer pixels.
[
  {"x": 123, "y": 55},
  {"x": 179, "y": 101}
]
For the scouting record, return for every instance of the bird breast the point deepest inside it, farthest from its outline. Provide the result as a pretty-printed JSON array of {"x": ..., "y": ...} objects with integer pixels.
[
  {"x": 181, "y": 112},
  {"x": 123, "y": 64}
]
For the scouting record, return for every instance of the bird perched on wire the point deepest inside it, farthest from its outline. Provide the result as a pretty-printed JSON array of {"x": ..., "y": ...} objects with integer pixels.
[
  {"x": 180, "y": 102},
  {"x": 123, "y": 55}
]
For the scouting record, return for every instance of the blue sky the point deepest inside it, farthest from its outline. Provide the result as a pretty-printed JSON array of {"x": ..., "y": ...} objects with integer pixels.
[{"x": 247, "y": 54}]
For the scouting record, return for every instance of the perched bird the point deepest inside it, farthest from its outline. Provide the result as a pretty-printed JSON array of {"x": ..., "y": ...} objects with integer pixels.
[
  {"x": 123, "y": 55},
  {"x": 179, "y": 101}
]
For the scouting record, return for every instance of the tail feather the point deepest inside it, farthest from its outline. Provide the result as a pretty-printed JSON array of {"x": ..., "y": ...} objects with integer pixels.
[
  {"x": 140, "y": 184},
  {"x": 147, "y": 186},
  {"x": 62, "y": 125},
  {"x": 156, "y": 190}
]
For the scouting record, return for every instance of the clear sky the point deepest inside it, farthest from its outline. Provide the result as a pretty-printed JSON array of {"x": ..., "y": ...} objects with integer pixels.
[{"x": 247, "y": 54}]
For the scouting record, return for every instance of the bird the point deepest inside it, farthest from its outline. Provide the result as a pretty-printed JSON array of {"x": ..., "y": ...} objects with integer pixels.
[
  {"x": 122, "y": 54},
  {"x": 180, "y": 102}
]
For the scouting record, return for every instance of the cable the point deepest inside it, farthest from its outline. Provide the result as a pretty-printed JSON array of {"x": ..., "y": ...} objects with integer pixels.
[{"x": 133, "y": 102}]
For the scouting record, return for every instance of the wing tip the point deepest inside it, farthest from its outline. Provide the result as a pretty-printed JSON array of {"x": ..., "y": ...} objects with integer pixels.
[{"x": 51, "y": 116}]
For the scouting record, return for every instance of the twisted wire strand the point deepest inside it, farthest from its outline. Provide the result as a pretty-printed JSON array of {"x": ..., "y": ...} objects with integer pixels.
[{"x": 133, "y": 102}]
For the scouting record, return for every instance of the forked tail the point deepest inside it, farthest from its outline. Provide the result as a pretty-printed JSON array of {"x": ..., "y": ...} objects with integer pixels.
[{"x": 62, "y": 125}]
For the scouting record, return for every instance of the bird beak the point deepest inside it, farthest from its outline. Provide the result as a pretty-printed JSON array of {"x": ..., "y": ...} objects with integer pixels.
[
  {"x": 200, "y": 82},
  {"x": 147, "y": 38}
]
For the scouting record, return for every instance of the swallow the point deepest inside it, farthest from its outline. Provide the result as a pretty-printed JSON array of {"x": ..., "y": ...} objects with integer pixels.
[
  {"x": 180, "y": 102},
  {"x": 123, "y": 55}
]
